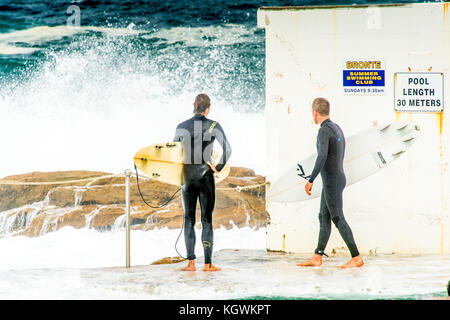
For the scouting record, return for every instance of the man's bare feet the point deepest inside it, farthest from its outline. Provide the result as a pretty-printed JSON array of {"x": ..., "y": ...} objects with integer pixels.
[
  {"x": 211, "y": 267},
  {"x": 315, "y": 261},
  {"x": 190, "y": 266},
  {"x": 353, "y": 263}
]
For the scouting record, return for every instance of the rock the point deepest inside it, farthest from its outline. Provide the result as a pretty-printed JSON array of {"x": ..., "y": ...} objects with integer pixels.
[
  {"x": 14, "y": 196},
  {"x": 168, "y": 260},
  {"x": 105, "y": 217},
  {"x": 33, "y": 210}
]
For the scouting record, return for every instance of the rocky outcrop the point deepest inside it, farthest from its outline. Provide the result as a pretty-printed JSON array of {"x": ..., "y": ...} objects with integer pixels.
[{"x": 33, "y": 210}]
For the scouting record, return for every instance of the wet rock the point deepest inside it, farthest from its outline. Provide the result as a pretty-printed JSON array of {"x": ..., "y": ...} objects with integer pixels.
[
  {"x": 100, "y": 204},
  {"x": 168, "y": 260}
]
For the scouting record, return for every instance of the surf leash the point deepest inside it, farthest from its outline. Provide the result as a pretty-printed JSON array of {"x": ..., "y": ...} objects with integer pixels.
[
  {"x": 160, "y": 206},
  {"x": 176, "y": 242},
  {"x": 302, "y": 172},
  {"x": 142, "y": 196}
]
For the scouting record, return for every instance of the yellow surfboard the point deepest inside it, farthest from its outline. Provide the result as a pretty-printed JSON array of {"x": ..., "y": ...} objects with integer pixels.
[{"x": 164, "y": 162}]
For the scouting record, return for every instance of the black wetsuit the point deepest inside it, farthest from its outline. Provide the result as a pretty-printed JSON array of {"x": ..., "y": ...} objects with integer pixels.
[
  {"x": 330, "y": 158},
  {"x": 197, "y": 135}
]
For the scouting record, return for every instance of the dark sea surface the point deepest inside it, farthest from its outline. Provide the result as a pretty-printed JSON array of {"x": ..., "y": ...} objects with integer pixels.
[{"x": 226, "y": 48}]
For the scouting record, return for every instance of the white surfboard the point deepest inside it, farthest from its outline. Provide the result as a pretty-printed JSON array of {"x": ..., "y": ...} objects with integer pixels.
[
  {"x": 365, "y": 153},
  {"x": 164, "y": 162}
]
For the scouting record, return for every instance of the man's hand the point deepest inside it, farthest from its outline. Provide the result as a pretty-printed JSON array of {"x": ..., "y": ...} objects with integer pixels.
[
  {"x": 308, "y": 187},
  {"x": 213, "y": 167}
]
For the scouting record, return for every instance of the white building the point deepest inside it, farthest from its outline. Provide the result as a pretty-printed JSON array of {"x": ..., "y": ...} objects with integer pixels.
[{"x": 404, "y": 207}]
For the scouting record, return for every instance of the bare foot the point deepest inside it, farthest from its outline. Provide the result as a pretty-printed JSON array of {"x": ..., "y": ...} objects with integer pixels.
[
  {"x": 211, "y": 267},
  {"x": 353, "y": 263},
  {"x": 190, "y": 266},
  {"x": 315, "y": 261}
]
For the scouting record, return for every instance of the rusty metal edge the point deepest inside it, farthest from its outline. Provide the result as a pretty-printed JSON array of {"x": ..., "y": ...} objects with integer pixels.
[{"x": 343, "y": 6}]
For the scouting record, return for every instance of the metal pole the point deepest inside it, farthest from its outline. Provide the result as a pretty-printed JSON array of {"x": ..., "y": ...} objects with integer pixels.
[{"x": 127, "y": 209}]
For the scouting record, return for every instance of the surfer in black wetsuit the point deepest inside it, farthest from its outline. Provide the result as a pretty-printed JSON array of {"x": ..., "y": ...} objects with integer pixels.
[
  {"x": 197, "y": 135},
  {"x": 329, "y": 163}
]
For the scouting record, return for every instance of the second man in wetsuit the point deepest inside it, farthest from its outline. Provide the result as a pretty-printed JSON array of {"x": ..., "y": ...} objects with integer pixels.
[
  {"x": 197, "y": 135},
  {"x": 329, "y": 163}
]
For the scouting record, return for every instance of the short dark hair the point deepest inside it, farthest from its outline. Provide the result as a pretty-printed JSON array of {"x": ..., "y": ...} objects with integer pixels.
[
  {"x": 202, "y": 102},
  {"x": 322, "y": 106}
]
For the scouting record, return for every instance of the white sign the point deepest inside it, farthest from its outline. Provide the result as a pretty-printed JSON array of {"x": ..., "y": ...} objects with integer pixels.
[{"x": 419, "y": 91}]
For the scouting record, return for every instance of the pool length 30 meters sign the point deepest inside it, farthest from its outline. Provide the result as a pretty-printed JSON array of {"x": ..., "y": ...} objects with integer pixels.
[{"x": 422, "y": 91}]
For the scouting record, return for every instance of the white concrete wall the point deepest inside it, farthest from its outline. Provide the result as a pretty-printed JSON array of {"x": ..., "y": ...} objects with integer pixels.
[{"x": 402, "y": 208}]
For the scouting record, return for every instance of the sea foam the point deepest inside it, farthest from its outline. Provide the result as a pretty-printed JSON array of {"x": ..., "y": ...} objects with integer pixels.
[{"x": 93, "y": 103}]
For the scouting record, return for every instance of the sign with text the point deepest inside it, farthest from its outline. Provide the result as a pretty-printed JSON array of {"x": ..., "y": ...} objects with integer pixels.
[
  {"x": 361, "y": 77},
  {"x": 419, "y": 91}
]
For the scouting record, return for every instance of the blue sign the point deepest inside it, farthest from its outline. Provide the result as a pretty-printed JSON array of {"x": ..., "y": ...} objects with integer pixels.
[{"x": 363, "y": 78}]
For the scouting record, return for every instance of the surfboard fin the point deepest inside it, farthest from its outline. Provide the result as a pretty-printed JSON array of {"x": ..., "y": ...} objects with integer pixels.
[
  {"x": 402, "y": 126},
  {"x": 409, "y": 139},
  {"x": 397, "y": 153},
  {"x": 411, "y": 135}
]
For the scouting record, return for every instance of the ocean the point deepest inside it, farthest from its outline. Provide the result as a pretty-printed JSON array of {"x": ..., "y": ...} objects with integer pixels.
[
  {"x": 85, "y": 84},
  {"x": 87, "y": 97}
]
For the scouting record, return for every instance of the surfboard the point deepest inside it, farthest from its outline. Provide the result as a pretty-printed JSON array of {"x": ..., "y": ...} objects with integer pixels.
[
  {"x": 365, "y": 153},
  {"x": 164, "y": 162}
]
